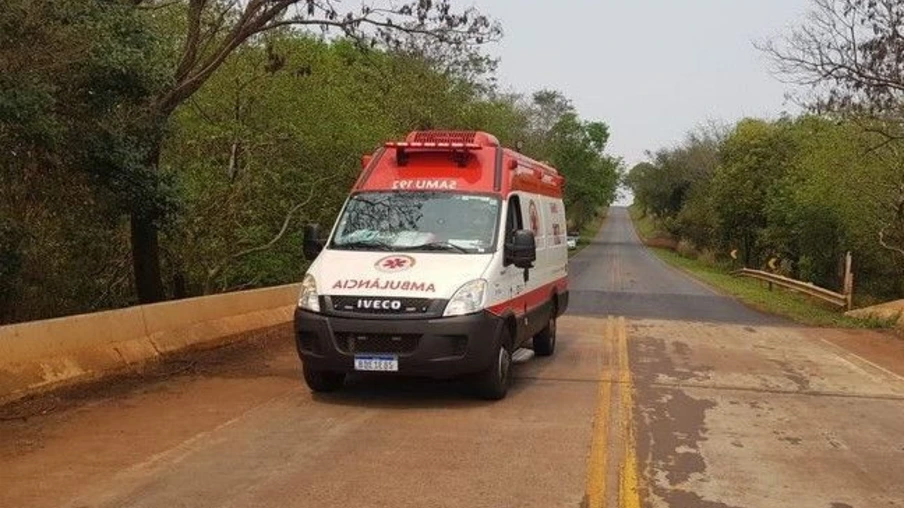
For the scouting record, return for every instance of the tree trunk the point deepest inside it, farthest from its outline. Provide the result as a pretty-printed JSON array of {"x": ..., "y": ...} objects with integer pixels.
[
  {"x": 146, "y": 260},
  {"x": 180, "y": 286},
  {"x": 145, "y": 243},
  {"x": 747, "y": 254}
]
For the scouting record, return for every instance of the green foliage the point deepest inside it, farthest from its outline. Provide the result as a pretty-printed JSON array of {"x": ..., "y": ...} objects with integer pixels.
[
  {"x": 271, "y": 141},
  {"x": 674, "y": 178},
  {"x": 804, "y": 190},
  {"x": 70, "y": 152},
  {"x": 754, "y": 158},
  {"x": 255, "y": 142},
  {"x": 577, "y": 149}
]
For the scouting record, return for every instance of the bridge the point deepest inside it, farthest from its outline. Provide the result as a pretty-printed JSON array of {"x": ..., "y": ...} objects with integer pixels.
[{"x": 663, "y": 393}]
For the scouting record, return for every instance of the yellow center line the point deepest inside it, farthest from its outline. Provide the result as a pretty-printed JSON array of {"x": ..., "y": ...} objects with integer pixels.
[
  {"x": 597, "y": 462},
  {"x": 629, "y": 492},
  {"x": 616, "y": 371}
]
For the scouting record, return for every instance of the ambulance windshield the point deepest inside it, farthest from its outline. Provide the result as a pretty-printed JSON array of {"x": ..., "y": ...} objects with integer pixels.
[{"x": 418, "y": 221}]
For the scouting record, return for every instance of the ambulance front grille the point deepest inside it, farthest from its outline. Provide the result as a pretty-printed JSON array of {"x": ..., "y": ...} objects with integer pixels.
[{"x": 384, "y": 306}]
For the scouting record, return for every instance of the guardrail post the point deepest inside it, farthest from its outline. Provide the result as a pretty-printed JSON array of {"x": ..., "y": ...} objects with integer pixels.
[{"x": 848, "y": 281}]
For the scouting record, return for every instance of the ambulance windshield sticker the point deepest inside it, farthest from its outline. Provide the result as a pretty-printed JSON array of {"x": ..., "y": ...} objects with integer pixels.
[
  {"x": 484, "y": 199},
  {"x": 534, "y": 218}
]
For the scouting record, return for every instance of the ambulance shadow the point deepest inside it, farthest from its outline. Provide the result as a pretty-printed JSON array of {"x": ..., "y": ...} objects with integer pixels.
[{"x": 402, "y": 392}]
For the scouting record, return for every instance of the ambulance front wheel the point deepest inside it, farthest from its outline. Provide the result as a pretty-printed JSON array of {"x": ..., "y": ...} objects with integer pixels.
[
  {"x": 323, "y": 381},
  {"x": 493, "y": 383}
]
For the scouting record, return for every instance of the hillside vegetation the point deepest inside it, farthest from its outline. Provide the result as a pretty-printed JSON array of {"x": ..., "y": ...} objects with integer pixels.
[
  {"x": 802, "y": 190},
  {"x": 162, "y": 149}
]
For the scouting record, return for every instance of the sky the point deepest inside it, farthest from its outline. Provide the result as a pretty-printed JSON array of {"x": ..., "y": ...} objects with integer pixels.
[{"x": 651, "y": 69}]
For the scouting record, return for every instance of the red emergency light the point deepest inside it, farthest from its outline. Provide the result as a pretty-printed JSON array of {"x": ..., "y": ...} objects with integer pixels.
[
  {"x": 459, "y": 151},
  {"x": 433, "y": 146}
]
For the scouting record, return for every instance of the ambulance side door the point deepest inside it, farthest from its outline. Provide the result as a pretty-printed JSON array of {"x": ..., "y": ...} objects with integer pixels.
[{"x": 512, "y": 277}]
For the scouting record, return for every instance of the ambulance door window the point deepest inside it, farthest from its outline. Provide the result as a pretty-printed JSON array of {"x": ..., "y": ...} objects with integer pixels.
[{"x": 513, "y": 221}]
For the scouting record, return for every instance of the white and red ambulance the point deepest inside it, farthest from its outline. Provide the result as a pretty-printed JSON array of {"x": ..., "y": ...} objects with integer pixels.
[{"x": 448, "y": 256}]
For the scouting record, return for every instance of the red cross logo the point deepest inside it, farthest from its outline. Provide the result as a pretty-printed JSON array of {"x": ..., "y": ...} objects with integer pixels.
[{"x": 394, "y": 263}]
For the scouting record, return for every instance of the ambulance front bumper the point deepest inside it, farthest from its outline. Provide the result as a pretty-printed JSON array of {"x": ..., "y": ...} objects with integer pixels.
[{"x": 438, "y": 347}]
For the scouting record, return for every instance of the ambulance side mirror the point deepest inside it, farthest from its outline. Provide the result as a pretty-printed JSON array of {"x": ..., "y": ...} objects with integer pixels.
[
  {"x": 522, "y": 251},
  {"x": 311, "y": 243}
]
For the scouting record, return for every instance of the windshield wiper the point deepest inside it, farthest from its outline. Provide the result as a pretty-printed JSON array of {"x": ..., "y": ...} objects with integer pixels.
[
  {"x": 363, "y": 245},
  {"x": 440, "y": 246}
]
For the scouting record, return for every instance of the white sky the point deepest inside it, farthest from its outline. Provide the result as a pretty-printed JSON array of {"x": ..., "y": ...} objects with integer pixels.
[{"x": 651, "y": 69}]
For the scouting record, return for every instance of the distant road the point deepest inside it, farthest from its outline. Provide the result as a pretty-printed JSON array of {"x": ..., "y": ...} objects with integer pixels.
[
  {"x": 662, "y": 393},
  {"x": 616, "y": 275}
]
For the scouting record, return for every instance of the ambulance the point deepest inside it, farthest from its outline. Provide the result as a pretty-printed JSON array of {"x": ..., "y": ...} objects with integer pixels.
[{"x": 448, "y": 256}]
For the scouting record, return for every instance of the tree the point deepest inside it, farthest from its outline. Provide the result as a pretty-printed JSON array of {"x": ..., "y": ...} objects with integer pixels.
[
  {"x": 754, "y": 159},
  {"x": 640, "y": 179},
  {"x": 577, "y": 149},
  {"x": 67, "y": 118},
  {"x": 805, "y": 190},
  {"x": 286, "y": 116},
  {"x": 850, "y": 54},
  {"x": 549, "y": 106},
  {"x": 248, "y": 149},
  {"x": 675, "y": 175},
  {"x": 213, "y": 30}
]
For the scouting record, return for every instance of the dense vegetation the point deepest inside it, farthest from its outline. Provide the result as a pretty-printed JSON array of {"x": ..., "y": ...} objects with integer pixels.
[
  {"x": 168, "y": 149},
  {"x": 804, "y": 190},
  {"x": 810, "y": 188}
]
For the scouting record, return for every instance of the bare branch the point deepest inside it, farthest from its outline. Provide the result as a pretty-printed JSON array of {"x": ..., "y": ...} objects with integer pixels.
[
  {"x": 850, "y": 53},
  {"x": 215, "y": 271},
  {"x": 190, "y": 48},
  {"x": 154, "y": 6},
  {"x": 885, "y": 244},
  {"x": 204, "y": 51}
]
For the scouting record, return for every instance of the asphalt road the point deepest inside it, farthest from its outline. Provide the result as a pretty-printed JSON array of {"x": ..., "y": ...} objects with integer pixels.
[
  {"x": 662, "y": 393},
  {"x": 616, "y": 275}
]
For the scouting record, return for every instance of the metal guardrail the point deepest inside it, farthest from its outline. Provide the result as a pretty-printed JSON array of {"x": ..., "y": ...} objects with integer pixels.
[{"x": 838, "y": 299}]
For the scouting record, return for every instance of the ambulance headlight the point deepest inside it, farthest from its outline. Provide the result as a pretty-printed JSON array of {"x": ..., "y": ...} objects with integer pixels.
[
  {"x": 308, "y": 299},
  {"x": 468, "y": 299}
]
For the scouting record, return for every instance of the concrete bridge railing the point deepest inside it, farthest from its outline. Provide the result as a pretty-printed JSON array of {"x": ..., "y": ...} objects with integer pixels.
[{"x": 43, "y": 355}]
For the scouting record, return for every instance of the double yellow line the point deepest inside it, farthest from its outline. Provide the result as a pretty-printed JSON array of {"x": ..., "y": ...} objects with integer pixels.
[{"x": 616, "y": 372}]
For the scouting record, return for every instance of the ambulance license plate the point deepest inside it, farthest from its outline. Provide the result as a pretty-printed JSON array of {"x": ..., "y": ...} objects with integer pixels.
[{"x": 377, "y": 363}]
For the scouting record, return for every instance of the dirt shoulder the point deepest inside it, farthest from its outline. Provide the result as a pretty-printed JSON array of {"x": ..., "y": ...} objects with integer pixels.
[{"x": 881, "y": 348}]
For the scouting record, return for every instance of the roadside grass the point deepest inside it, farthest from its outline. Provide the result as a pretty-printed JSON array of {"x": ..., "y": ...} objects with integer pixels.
[
  {"x": 751, "y": 292},
  {"x": 589, "y": 231},
  {"x": 649, "y": 231},
  {"x": 644, "y": 224},
  {"x": 756, "y": 294}
]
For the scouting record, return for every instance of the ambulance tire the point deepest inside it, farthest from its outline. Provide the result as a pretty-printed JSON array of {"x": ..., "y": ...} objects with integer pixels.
[
  {"x": 323, "y": 381},
  {"x": 545, "y": 341},
  {"x": 493, "y": 383}
]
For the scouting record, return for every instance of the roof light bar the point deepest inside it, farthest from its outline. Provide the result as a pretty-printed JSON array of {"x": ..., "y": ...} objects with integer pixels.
[{"x": 433, "y": 146}]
